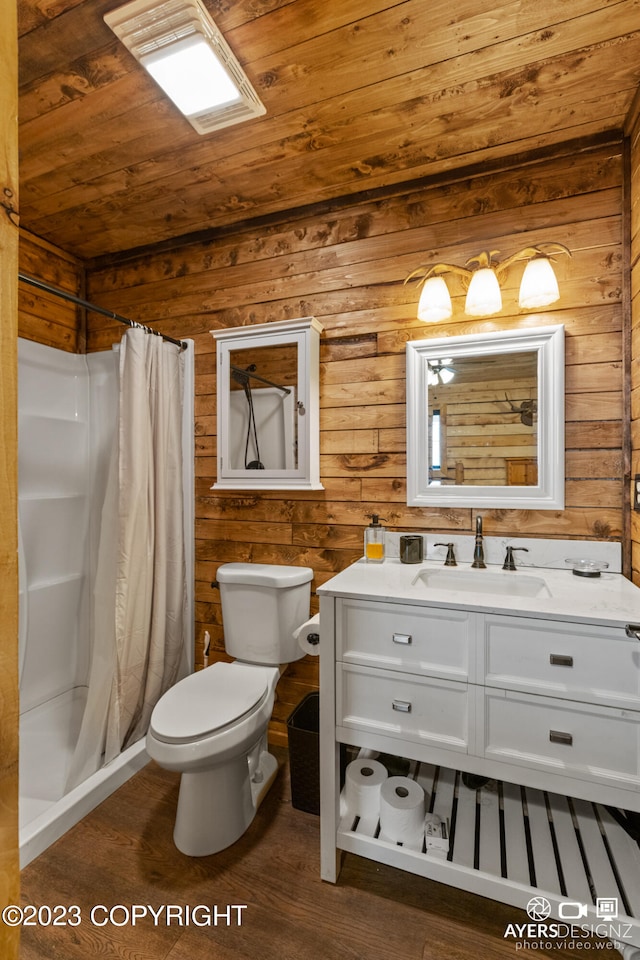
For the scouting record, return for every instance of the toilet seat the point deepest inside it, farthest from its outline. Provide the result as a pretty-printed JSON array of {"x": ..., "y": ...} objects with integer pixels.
[{"x": 209, "y": 701}]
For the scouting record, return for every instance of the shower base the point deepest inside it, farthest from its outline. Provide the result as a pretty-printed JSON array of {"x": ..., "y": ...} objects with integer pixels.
[{"x": 48, "y": 734}]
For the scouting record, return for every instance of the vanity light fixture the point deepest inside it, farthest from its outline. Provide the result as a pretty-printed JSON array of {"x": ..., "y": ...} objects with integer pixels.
[
  {"x": 178, "y": 43},
  {"x": 482, "y": 274}
]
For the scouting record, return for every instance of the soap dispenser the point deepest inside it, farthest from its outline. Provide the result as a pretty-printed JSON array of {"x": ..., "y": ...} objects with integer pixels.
[{"x": 374, "y": 541}]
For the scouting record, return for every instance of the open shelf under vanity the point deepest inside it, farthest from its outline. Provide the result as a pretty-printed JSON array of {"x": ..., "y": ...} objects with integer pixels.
[{"x": 511, "y": 843}]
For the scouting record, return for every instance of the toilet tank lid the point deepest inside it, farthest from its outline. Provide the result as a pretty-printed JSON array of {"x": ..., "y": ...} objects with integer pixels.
[{"x": 263, "y": 574}]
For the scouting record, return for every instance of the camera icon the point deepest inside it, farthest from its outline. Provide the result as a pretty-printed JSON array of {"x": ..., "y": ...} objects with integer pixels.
[{"x": 572, "y": 910}]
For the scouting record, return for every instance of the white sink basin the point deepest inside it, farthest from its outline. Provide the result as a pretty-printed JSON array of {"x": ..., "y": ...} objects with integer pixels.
[{"x": 507, "y": 584}]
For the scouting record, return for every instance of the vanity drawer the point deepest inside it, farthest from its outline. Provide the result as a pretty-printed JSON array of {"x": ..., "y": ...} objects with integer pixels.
[
  {"x": 573, "y": 661},
  {"x": 579, "y": 740},
  {"x": 419, "y": 709},
  {"x": 404, "y": 637}
]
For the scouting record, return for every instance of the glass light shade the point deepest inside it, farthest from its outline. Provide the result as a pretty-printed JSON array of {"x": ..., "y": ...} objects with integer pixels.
[
  {"x": 435, "y": 302},
  {"x": 483, "y": 295},
  {"x": 192, "y": 76},
  {"x": 446, "y": 375},
  {"x": 539, "y": 286}
]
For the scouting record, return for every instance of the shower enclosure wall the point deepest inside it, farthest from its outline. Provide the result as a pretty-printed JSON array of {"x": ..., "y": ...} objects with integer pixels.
[
  {"x": 263, "y": 432},
  {"x": 67, "y": 418}
]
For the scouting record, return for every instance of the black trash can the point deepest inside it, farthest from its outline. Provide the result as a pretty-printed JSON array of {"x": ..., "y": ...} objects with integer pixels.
[{"x": 303, "y": 729}]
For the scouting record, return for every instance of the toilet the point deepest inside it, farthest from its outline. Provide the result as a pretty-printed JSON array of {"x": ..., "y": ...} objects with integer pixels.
[{"x": 212, "y": 726}]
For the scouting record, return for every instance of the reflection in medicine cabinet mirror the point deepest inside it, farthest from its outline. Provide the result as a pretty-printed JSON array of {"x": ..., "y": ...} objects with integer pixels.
[
  {"x": 267, "y": 406},
  {"x": 485, "y": 420}
]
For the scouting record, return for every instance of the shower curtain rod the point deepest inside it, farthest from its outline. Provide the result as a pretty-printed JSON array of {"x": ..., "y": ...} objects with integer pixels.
[
  {"x": 254, "y": 376},
  {"x": 41, "y": 285}
]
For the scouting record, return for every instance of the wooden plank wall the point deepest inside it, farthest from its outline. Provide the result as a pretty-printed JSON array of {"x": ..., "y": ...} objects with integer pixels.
[
  {"x": 345, "y": 265},
  {"x": 43, "y": 317},
  {"x": 633, "y": 239},
  {"x": 9, "y": 860}
]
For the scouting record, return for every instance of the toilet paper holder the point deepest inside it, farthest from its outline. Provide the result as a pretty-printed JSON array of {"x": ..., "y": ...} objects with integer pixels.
[{"x": 313, "y": 639}]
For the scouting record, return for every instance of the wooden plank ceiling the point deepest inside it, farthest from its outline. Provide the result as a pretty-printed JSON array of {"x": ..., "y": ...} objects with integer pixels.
[{"x": 360, "y": 95}]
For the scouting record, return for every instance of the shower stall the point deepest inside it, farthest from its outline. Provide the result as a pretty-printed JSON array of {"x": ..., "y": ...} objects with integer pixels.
[
  {"x": 67, "y": 406},
  {"x": 262, "y": 426}
]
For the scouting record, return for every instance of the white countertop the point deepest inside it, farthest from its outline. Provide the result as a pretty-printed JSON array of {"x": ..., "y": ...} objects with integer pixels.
[{"x": 609, "y": 599}]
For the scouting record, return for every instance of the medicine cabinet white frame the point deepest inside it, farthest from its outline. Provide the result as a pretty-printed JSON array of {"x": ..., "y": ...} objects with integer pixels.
[
  {"x": 548, "y": 493},
  {"x": 304, "y": 333}
]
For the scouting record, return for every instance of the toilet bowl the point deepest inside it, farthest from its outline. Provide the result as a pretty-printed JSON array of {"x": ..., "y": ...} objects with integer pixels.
[{"x": 212, "y": 726}]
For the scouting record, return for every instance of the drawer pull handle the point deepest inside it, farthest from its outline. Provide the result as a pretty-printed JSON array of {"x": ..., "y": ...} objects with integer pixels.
[
  {"x": 560, "y": 660},
  {"x": 403, "y": 706},
  {"x": 633, "y": 630},
  {"x": 402, "y": 638},
  {"x": 557, "y": 736}
]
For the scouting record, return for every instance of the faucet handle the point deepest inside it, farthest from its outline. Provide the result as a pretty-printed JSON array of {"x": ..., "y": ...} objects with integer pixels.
[
  {"x": 509, "y": 563},
  {"x": 451, "y": 557}
]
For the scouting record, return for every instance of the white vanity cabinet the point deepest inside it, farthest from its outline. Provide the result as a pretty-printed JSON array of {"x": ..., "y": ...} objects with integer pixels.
[
  {"x": 546, "y": 706},
  {"x": 563, "y": 700},
  {"x": 403, "y": 673}
]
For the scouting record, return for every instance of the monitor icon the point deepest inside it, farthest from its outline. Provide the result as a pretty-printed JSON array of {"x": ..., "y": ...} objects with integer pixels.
[{"x": 607, "y": 908}]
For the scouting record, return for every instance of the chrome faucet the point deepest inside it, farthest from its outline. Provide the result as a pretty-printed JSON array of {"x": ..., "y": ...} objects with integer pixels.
[{"x": 478, "y": 553}]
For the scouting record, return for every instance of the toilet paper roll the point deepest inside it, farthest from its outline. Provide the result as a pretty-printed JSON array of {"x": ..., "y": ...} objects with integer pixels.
[
  {"x": 363, "y": 779},
  {"x": 402, "y": 810},
  {"x": 308, "y": 636}
]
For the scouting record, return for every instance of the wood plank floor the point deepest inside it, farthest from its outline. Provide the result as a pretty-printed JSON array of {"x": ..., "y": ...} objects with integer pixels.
[{"x": 123, "y": 854}]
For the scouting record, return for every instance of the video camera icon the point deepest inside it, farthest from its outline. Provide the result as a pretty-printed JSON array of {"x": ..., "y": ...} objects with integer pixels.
[{"x": 572, "y": 910}]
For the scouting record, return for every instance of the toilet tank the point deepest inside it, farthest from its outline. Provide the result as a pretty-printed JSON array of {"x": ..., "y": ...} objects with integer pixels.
[{"x": 262, "y": 604}]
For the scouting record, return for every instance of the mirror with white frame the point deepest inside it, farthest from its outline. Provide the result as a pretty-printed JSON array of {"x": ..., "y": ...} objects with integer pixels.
[
  {"x": 267, "y": 405},
  {"x": 485, "y": 420}
]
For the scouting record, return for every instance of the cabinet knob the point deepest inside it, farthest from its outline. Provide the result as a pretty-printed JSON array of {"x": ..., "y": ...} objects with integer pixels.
[
  {"x": 560, "y": 660},
  {"x": 403, "y": 706},
  {"x": 558, "y": 736},
  {"x": 402, "y": 638}
]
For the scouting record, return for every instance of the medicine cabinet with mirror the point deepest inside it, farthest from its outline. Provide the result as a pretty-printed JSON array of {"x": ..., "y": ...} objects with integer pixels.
[
  {"x": 267, "y": 406},
  {"x": 485, "y": 420}
]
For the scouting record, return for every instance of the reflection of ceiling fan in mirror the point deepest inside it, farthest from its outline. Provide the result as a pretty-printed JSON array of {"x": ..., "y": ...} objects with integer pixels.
[{"x": 440, "y": 371}]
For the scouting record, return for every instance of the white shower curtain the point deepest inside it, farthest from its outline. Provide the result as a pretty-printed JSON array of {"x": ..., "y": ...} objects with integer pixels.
[{"x": 139, "y": 595}]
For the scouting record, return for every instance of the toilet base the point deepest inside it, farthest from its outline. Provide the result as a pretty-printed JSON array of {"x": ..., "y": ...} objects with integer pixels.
[
  {"x": 269, "y": 770},
  {"x": 216, "y": 806}
]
